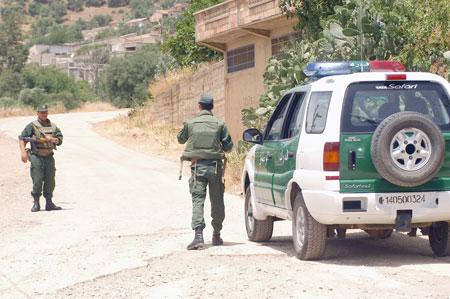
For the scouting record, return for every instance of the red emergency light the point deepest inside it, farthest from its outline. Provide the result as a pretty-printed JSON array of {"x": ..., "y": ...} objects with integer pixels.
[{"x": 386, "y": 66}]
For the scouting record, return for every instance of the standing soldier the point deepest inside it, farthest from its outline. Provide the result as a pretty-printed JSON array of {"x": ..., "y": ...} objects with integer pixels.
[
  {"x": 207, "y": 139},
  {"x": 44, "y": 136}
]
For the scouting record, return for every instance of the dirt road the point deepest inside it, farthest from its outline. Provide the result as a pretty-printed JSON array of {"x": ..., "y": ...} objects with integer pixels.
[{"x": 125, "y": 225}]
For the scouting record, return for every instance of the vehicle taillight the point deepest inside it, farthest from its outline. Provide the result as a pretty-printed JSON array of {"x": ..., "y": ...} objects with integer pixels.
[
  {"x": 395, "y": 77},
  {"x": 331, "y": 156}
]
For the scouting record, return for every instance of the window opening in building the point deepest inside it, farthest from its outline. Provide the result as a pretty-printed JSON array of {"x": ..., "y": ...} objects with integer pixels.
[
  {"x": 280, "y": 42},
  {"x": 241, "y": 59}
]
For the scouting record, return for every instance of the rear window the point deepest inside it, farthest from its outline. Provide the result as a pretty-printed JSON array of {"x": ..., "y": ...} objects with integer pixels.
[{"x": 369, "y": 103}]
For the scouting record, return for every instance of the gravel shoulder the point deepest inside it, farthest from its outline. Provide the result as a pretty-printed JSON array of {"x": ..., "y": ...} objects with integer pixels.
[{"x": 125, "y": 225}]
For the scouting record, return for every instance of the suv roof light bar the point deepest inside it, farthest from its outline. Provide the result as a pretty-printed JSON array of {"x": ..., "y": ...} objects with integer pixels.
[{"x": 317, "y": 70}]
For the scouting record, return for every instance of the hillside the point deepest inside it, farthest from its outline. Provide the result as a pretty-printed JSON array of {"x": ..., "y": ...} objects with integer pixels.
[{"x": 65, "y": 19}]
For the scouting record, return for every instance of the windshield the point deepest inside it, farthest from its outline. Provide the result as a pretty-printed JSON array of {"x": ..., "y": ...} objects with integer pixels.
[{"x": 369, "y": 103}]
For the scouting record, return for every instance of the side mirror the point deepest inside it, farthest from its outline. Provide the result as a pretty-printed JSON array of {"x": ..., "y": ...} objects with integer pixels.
[{"x": 253, "y": 136}]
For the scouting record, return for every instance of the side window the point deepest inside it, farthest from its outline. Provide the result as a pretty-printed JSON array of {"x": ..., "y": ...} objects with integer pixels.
[
  {"x": 296, "y": 119},
  {"x": 275, "y": 128},
  {"x": 316, "y": 117}
]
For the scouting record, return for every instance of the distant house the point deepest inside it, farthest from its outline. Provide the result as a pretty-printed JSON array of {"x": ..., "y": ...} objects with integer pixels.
[
  {"x": 45, "y": 55},
  {"x": 171, "y": 12},
  {"x": 159, "y": 15},
  {"x": 138, "y": 22},
  {"x": 133, "y": 42}
]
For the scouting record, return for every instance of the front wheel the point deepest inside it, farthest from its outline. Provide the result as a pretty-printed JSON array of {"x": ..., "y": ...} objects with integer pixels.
[
  {"x": 438, "y": 237},
  {"x": 309, "y": 236},
  {"x": 257, "y": 230}
]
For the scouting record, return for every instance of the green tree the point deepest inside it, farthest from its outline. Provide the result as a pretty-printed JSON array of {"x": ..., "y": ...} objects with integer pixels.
[
  {"x": 118, "y": 3},
  {"x": 100, "y": 21},
  {"x": 310, "y": 13},
  {"x": 34, "y": 8},
  {"x": 182, "y": 46},
  {"x": 75, "y": 5},
  {"x": 13, "y": 53},
  {"x": 141, "y": 8},
  {"x": 95, "y": 3},
  {"x": 126, "y": 79},
  {"x": 10, "y": 84},
  {"x": 58, "y": 10}
]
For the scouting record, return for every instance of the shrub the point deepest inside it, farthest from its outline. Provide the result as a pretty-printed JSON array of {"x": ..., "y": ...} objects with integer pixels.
[
  {"x": 75, "y": 5},
  {"x": 10, "y": 84},
  {"x": 7, "y": 102},
  {"x": 32, "y": 97},
  {"x": 96, "y": 3},
  {"x": 117, "y": 3}
]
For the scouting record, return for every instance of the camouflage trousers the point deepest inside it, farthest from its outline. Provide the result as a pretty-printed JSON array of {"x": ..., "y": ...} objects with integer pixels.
[
  {"x": 207, "y": 173},
  {"x": 42, "y": 173}
]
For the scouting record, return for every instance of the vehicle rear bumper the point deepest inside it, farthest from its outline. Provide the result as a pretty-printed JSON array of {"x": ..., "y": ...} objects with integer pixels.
[{"x": 328, "y": 208}]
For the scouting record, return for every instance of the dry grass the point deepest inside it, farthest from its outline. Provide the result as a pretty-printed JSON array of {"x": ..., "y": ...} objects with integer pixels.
[
  {"x": 16, "y": 111},
  {"x": 165, "y": 82},
  {"x": 162, "y": 83},
  {"x": 141, "y": 133},
  {"x": 55, "y": 109}
]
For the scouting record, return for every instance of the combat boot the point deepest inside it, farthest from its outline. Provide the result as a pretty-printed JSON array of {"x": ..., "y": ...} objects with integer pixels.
[
  {"x": 36, "y": 206},
  {"x": 50, "y": 206},
  {"x": 216, "y": 239},
  {"x": 198, "y": 242}
]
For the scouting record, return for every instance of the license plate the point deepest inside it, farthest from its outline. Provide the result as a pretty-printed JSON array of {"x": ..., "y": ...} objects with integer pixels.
[{"x": 407, "y": 200}]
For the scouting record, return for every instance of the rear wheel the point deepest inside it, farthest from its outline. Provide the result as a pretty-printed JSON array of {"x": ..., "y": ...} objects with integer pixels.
[
  {"x": 438, "y": 237},
  {"x": 309, "y": 236},
  {"x": 257, "y": 230}
]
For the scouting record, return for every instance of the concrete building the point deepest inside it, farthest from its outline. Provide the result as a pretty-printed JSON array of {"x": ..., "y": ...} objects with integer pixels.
[
  {"x": 141, "y": 22},
  {"x": 50, "y": 54},
  {"x": 248, "y": 33}
]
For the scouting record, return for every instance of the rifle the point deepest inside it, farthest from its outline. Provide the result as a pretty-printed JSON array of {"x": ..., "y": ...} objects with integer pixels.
[{"x": 34, "y": 139}]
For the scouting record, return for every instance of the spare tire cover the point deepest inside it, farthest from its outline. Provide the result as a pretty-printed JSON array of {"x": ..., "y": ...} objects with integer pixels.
[{"x": 408, "y": 149}]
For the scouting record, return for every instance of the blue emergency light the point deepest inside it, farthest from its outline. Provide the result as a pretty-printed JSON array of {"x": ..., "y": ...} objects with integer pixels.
[{"x": 317, "y": 70}]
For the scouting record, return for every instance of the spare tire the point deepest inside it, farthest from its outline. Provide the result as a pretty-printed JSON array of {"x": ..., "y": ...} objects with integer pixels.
[{"x": 408, "y": 149}]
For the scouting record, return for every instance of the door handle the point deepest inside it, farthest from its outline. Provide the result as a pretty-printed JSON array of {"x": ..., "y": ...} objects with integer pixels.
[
  {"x": 290, "y": 155},
  {"x": 352, "y": 160},
  {"x": 269, "y": 157}
]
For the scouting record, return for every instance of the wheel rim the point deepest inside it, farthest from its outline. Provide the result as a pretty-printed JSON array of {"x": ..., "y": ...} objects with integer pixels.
[
  {"x": 300, "y": 226},
  {"x": 410, "y": 149},
  {"x": 250, "y": 219}
]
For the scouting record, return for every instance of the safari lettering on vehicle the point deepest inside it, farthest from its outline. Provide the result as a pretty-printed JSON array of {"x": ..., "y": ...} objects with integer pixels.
[{"x": 397, "y": 86}]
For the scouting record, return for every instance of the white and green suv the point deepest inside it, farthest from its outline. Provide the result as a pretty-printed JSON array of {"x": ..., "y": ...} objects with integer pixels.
[{"x": 364, "y": 150}]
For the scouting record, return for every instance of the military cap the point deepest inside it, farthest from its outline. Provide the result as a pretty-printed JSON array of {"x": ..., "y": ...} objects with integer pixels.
[
  {"x": 42, "y": 108},
  {"x": 206, "y": 99}
]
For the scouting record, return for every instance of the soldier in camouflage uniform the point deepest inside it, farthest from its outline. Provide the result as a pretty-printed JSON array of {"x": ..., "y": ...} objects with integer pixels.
[
  {"x": 207, "y": 140},
  {"x": 44, "y": 136}
]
